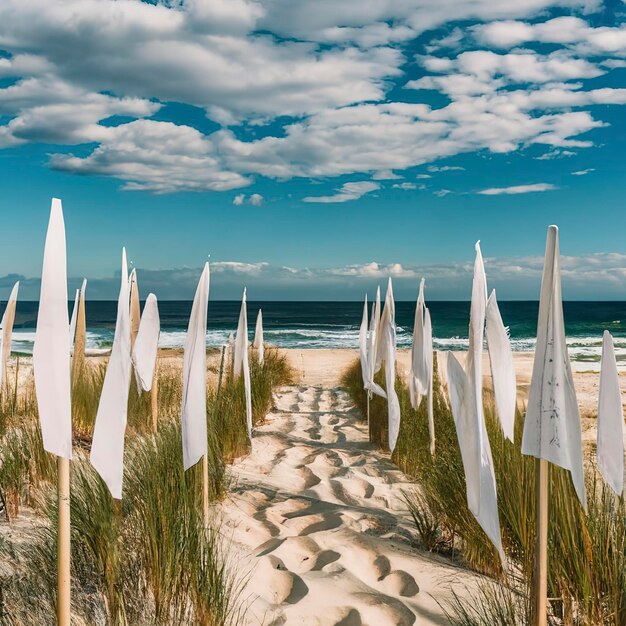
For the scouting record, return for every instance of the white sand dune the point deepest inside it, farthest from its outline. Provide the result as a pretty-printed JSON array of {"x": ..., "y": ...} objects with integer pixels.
[{"x": 318, "y": 521}]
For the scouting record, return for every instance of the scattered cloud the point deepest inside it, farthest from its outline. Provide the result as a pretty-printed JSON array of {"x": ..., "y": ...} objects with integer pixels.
[
  {"x": 445, "y": 168},
  {"x": 404, "y": 186},
  {"x": 584, "y": 172},
  {"x": 513, "y": 277},
  {"x": 347, "y": 192},
  {"x": 239, "y": 199},
  {"x": 517, "y": 189},
  {"x": 442, "y": 193},
  {"x": 385, "y": 175}
]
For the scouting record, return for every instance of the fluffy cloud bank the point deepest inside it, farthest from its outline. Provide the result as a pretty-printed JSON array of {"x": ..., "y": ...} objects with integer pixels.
[
  {"x": 595, "y": 276},
  {"x": 315, "y": 85}
]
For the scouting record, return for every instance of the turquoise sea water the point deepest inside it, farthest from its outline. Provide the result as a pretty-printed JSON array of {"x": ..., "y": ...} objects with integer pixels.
[{"x": 336, "y": 324}]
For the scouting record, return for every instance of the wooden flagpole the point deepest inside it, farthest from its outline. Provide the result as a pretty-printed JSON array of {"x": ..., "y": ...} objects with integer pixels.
[
  {"x": 63, "y": 542},
  {"x": 154, "y": 395},
  {"x": 540, "y": 597}
]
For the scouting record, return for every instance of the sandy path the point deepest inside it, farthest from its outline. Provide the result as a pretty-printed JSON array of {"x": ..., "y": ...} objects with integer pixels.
[{"x": 316, "y": 517}]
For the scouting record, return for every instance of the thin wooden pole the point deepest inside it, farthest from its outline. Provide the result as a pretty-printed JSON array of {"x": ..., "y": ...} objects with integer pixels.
[
  {"x": 369, "y": 430},
  {"x": 63, "y": 542},
  {"x": 540, "y": 599},
  {"x": 154, "y": 396},
  {"x": 205, "y": 489}
]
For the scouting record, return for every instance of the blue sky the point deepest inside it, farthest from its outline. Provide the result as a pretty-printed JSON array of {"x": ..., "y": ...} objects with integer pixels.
[{"x": 314, "y": 148}]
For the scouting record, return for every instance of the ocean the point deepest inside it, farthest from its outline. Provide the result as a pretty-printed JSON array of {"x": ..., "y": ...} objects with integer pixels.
[{"x": 336, "y": 324}]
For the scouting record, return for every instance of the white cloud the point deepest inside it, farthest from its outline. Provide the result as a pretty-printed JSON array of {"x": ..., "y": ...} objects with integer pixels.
[
  {"x": 404, "y": 186},
  {"x": 442, "y": 193},
  {"x": 445, "y": 168},
  {"x": 567, "y": 30},
  {"x": 583, "y": 172},
  {"x": 385, "y": 175},
  {"x": 256, "y": 199},
  {"x": 517, "y": 189},
  {"x": 347, "y": 192},
  {"x": 238, "y": 200}
]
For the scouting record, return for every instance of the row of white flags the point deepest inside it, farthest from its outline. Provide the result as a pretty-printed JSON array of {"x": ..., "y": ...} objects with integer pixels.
[
  {"x": 552, "y": 424},
  {"x": 132, "y": 349}
]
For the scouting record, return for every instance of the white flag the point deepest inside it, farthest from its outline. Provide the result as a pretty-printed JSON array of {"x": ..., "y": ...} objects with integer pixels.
[
  {"x": 502, "y": 369},
  {"x": 6, "y": 337},
  {"x": 194, "y": 377},
  {"x": 107, "y": 447},
  {"x": 552, "y": 423},
  {"x": 241, "y": 364},
  {"x": 147, "y": 343},
  {"x": 421, "y": 370},
  {"x": 51, "y": 358},
  {"x": 135, "y": 308},
  {"x": 372, "y": 348},
  {"x": 258, "y": 337},
  {"x": 388, "y": 348},
  {"x": 73, "y": 320},
  {"x": 610, "y": 420},
  {"x": 363, "y": 345},
  {"x": 466, "y": 401}
]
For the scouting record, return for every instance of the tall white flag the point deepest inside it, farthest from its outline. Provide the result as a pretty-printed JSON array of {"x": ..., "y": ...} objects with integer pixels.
[
  {"x": 73, "y": 320},
  {"x": 610, "y": 420},
  {"x": 194, "y": 377},
  {"x": 466, "y": 400},
  {"x": 421, "y": 370},
  {"x": 6, "y": 337},
  {"x": 51, "y": 358},
  {"x": 387, "y": 346},
  {"x": 502, "y": 369},
  {"x": 363, "y": 330},
  {"x": 258, "y": 337},
  {"x": 241, "y": 364},
  {"x": 372, "y": 349},
  {"x": 107, "y": 448},
  {"x": 147, "y": 343},
  {"x": 552, "y": 423}
]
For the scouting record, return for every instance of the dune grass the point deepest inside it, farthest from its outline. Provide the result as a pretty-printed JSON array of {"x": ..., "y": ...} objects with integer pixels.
[
  {"x": 587, "y": 552},
  {"x": 148, "y": 559}
]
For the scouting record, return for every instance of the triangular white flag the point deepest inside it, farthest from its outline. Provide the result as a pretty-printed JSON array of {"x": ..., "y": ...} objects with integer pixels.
[
  {"x": 8, "y": 318},
  {"x": 466, "y": 401},
  {"x": 387, "y": 346},
  {"x": 421, "y": 370},
  {"x": 241, "y": 364},
  {"x": 502, "y": 368},
  {"x": 147, "y": 343},
  {"x": 51, "y": 358},
  {"x": 372, "y": 348},
  {"x": 107, "y": 447},
  {"x": 610, "y": 420},
  {"x": 552, "y": 423},
  {"x": 73, "y": 320},
  {"x": 258, "y": 338},
  {"x": 194, "y": 414},
  {"x": 363, "y": 330}
]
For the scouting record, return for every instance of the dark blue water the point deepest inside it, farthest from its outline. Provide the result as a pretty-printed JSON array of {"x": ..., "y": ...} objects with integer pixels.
[{"x": 335, "y": 324}]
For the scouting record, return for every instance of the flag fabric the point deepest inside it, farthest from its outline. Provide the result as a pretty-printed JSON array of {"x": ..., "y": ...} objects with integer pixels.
[
  {"x": 241, "y": 365},
  {"x": 51, "y": 358},
  {"x": 502, "y": 368},
  {"x": 363, "y": 337},
  {"x": 465, "y": 387},
  {"x": 552, "y": 424},
  {"x": 387, "y": 346},
  {"x": 79, "y": 332},
  {"x": 194, "y": 376},
  {"x": 73, "y": 320},
  {"x": 421, "y": 368},
  {"x": 135, "y": 308},
  {"x": 6, "y": 337},
  {"x": 107, "y": 448},
  {"x": 258, "y": 337},
  {"x": 610, "y": 420},
  {"x": 372, "y": 349},
  {"x": 144, "y": 351}
]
